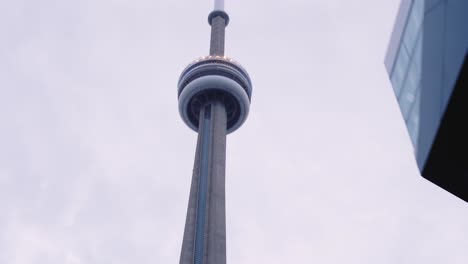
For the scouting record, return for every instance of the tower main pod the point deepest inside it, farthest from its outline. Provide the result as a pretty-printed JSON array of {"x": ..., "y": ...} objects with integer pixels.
[{"x": 214, "y": 99}]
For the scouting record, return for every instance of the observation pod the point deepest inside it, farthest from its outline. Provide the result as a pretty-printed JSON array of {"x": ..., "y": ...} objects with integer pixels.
[{"x": 214, "y": 77}]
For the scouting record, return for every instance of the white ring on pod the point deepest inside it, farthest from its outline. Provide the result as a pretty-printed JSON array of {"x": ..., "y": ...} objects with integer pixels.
[{"x": 214, "y": 82}]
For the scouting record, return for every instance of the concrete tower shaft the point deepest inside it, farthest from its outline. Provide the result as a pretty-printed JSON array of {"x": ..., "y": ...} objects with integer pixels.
[
  {"x": 205, "y": 227},
  {"x": 218, "y": 20}
]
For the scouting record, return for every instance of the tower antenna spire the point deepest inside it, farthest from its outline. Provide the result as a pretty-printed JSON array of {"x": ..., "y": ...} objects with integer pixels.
[
  {"x": 218, "y": 20},
  {"x": 219, "y": 5}
]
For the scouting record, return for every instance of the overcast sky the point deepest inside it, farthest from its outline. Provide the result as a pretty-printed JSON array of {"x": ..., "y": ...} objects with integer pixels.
[{"x": 95, "y": 162}]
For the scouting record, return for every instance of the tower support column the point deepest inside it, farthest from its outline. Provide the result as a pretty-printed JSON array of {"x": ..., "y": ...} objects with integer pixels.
[{"x": 205, "y": 228}]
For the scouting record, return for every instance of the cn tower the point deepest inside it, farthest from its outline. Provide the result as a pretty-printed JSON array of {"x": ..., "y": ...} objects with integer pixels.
[{"x": 214, "y": 95}]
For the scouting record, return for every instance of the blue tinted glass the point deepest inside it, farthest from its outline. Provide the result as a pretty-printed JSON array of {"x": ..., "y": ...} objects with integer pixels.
[
  {"x": 408, "y": 95},
  {"x": 416, "y": 56},
  {"x": 406, "y": 102},
  {"x": 413, "y": 119},
  {"x": 399, "y": 70},
  {"x": 412, "y": 81},
  {"x": 418, "y": 9},
  {"x": 414, "y": 78},
  {"x": 413, "y": 24}
]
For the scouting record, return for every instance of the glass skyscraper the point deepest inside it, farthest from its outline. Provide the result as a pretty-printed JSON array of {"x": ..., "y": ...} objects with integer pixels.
[{"x": 427, "y": 64}]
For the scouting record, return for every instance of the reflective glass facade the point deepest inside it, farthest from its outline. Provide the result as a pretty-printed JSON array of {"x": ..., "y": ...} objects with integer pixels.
[
  {"x": 426, "y": 52},
  {"x": 427, "y": 62},
  {"x": 405, "y": 74}
]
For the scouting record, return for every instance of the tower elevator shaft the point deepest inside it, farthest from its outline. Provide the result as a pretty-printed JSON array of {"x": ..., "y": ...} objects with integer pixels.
[{"x": 205, "y": 228}]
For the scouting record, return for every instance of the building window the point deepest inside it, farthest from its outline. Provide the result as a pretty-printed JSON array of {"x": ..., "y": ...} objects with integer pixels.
[
  {"x": 413, "y": 120},
  {"x": 413, "y": 25},
  {"x": 399, "y": 70}
]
